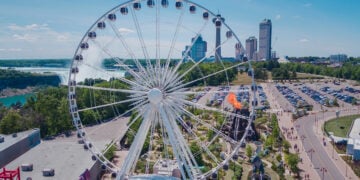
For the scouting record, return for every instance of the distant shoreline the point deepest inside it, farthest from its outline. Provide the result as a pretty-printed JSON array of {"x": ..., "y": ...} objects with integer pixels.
[{"x": 9, "y": 92}]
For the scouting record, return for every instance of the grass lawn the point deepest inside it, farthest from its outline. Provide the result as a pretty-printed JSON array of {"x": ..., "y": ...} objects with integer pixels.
[
  {"x": 355, "y": 165},
  {"x": 260, "y": 121},
  {"x": 341, "y": 126},
  {"x": 229, "y": 174},
  {"x": 242, "y": 79},
  {"x": 307, "y": 76}
]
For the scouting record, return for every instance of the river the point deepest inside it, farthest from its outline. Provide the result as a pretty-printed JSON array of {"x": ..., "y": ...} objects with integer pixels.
[{"x": 7, "y": 101}]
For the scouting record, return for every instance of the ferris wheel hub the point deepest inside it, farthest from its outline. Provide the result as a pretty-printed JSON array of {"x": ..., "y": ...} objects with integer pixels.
[{"x": 155, "y": 96}]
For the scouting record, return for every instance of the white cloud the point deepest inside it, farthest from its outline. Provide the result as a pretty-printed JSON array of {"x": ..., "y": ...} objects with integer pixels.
[
  {"x": 12, "y": 50},
  {"x": 25, "y": 37},
  {"x": 304, "y": 40},
  {"x": 125, "y": 31},
  {"x": 277, "y": 17},
  {"x": 29, "y": 27},
  {"x": 307, "y": 5},
  {"x": 62, "y": 37}
]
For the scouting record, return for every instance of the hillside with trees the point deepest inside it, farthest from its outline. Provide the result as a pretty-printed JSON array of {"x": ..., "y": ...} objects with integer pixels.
[
  {"x": 350, "y": 69},
  {"x": 20, "y": 80},
  {"x": 49, "y": 109}
]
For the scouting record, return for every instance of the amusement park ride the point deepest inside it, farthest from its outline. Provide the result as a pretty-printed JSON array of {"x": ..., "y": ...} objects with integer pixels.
[{"x": 158, "y": 90}]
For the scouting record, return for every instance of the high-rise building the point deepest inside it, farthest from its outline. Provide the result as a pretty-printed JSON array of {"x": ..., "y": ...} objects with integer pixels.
[
  {"x": 218, "y": 22},
  {"x": 251, "y": 48},
  {"x": 265, "y": 40},
  {"x": 273, "y": 55},
  {"x": 239, "y": 52},
  {"x": 338, "y": 58},
  {"x": 198, "y": 49}
]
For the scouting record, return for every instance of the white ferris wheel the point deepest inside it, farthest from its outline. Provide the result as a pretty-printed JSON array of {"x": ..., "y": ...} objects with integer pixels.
[{"x": 166, "y": 48}]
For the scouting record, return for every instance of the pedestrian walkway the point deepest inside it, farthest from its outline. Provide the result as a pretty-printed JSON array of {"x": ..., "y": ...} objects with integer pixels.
[{"x": 289, "y": 131}]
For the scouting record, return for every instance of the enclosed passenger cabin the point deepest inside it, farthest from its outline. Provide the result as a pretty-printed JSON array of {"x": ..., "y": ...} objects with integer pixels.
[
  {"x": 124, "y": 10},
  {"x": 137, "y": 6},
  {"x": 79, "y": 57},
  {"x": 250, "y": 72},
  {"x": 229, "y": 34},
  {"x": 178, "y": 5},
  {"x": 226, "y": 166},
  {"x": 75, "y": 70},
  {"x": 164, "y": 3},
  {"x": 214, "y": 175},
  {"x": 101, "y": 25},
  {"x": 237, "y": 46},
  {"x": 206, "y": 15},
  {"x": 192, "y": 9},
  {"x": 112, "y": 17},
  {"x": 84, "y": 46},
  {"x": 92, "y": 35},
  {"x": 150, "y": 3}
]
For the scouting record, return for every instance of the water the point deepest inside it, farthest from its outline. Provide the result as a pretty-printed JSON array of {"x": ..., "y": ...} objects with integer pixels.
[
  {"x": 7, "y": 101},
  {"x": 63, "y": 73}
]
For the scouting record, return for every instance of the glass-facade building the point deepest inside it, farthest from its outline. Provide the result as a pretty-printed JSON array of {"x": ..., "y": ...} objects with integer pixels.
[{"x": 265, "y": 40}]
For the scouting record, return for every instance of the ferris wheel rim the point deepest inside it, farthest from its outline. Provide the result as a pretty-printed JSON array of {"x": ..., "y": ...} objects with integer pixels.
[{"x": 74, "y": 86}]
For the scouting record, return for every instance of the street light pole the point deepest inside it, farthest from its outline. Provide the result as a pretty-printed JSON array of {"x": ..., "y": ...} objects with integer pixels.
[
  {"x": 302, "y": 141},
  {"x": 311, "y": 151}
]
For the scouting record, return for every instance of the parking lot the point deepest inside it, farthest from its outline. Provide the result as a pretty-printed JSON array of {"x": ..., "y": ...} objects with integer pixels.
[{"x": 320, "y": 95}]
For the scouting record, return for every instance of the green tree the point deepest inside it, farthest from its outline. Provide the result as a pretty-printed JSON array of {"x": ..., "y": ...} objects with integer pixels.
[
  {"x": 249, "y": 151},
  {"x": 194, "y": 148},
  {"x": 292, "y": 161},
  {"x": 11, "y": 123}
]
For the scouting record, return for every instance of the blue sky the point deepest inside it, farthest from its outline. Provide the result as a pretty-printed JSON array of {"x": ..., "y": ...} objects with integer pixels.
[{"x": 53, "y": 28}]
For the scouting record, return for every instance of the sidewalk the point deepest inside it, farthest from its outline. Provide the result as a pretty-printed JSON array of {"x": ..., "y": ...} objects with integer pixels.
[{"x": 286, "y": 124}]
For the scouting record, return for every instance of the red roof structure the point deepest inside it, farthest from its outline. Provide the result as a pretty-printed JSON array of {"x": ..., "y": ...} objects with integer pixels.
[{"x": 10, "y": 174}]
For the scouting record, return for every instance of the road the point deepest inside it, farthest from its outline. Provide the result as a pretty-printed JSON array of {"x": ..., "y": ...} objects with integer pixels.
[
  {"x": 310, "y": 129},
  {"x": 321, "y": 156}
]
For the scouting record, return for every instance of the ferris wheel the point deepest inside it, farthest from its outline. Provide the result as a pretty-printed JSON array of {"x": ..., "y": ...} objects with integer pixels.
[{"x": 168, "y": 67}]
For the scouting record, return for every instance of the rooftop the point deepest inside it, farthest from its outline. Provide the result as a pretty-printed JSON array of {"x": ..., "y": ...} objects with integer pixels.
[
  {"x": 66, "y": 155},
  {"x": 355, "y": 130},
  {"x": 10, "y": 140}
]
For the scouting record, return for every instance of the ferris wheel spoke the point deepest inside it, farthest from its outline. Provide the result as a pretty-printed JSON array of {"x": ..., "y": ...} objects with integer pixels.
[
  {"x": 149, "y": 69},
  {"x": 136, "y": 146},
  {"x": 157, "y": 34},
  {"x": 142, "y": 79},
  {"x": 181, "y": 155},
  {"x": 120, "y": 78},
  {"x": 126, "y": 46},
  {"x": 110, "y": 104},
  {"x": 173, "y": 41},
  {"x": 165, "y": 139},
  {"x": 111, "y": 89},
  {"x": 171, "y": 83},
  {"x": 204, "y": 92},
  {"x": 200, "y": 106},
  {"x": 210, "y": 127},
  {"x": 171, "y": 73},
  {"x": 152, "y": 129},
  {"x": 191, "y": 132},
  {"x": 207, "y": 76},
  {"x": 180, "y": 137},
  {"x": 226, "y": 73}
]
